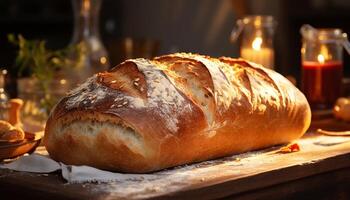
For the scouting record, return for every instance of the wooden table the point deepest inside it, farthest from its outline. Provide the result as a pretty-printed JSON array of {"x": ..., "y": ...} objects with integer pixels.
[{"x": 320, "y": 170}]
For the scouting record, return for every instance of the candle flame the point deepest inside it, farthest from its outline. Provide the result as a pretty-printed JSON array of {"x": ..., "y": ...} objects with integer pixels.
[
  {"x": 257, "y": 43},
  {"x": 320, "y": 58}
]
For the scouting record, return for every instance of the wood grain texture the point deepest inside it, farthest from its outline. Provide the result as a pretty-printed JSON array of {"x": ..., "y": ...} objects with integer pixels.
[{"x": 256, "y": 174}]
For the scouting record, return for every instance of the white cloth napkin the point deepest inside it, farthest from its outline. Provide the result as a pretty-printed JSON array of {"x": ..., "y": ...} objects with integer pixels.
[{"x": 37, "y": 163}]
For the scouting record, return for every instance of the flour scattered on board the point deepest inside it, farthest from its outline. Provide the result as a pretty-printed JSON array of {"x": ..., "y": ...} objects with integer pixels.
[{"x": 138, "y": 186}]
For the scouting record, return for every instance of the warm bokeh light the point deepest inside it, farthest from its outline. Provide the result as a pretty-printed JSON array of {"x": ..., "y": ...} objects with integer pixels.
[
  {"x": 63, "y": 81},
  {"x": 86, "y": 4},
  {"x": 320, "y": 58},
  {"x": 103, "y": 60},
  {"x": 257, "y": 43}
]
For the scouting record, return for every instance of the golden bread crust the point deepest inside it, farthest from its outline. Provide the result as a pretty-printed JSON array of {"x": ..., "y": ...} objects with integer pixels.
[{"x": 147, "y": 115}]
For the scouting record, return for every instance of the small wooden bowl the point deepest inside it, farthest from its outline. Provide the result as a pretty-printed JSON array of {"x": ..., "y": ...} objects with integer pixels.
[{"x": 15, "y": 148}]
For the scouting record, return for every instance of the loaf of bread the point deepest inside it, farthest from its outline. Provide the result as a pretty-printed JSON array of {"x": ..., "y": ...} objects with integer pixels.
[{"x": 147, "y": 115}]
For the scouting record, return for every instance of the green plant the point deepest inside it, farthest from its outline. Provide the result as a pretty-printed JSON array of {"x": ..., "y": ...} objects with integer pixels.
[{"x": 41, "y": 63}]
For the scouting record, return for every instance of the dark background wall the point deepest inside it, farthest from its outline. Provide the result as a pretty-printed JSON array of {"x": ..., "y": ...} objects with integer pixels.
[
  {"x": 201, "y": 26},
  {"x": 183, "y": 25}
]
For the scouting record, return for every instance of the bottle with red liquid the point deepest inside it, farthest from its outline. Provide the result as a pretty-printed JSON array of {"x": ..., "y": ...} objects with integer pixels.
[{"x": 322, "y": 66}]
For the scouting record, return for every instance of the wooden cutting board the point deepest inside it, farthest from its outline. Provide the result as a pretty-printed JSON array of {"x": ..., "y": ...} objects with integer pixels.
[{"x": 220, "y": 178}]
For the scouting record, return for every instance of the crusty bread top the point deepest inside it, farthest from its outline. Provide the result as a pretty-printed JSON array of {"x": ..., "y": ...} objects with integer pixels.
[
  {"x": 146, "y": 115},
  {"x": 176, "y": 90}
]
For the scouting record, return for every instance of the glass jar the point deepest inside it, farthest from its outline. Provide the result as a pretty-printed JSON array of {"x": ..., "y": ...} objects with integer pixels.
[
  {"x": 322, "y": 65},
  {"x": 37, "y": 103},
  {"x": 257, "y": 39}
]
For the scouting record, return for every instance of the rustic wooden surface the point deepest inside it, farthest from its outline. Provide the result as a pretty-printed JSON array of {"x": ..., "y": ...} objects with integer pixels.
[{"x": 321, "y": 167}]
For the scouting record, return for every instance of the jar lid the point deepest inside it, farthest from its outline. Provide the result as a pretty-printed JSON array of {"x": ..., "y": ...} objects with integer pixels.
[
  {"x": 255, "y": 21},
  {"x": 258, "y": 20},
  {"x": 324, "y": 35}
]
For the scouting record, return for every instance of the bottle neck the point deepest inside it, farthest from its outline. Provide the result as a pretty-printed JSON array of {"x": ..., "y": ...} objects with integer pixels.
[{"x": 86, "y": 18}]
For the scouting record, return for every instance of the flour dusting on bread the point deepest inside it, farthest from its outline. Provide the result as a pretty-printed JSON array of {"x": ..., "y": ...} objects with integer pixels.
[{"x": 145, "y": 115}]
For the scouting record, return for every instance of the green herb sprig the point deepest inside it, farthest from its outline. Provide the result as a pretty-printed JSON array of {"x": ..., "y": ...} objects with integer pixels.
[{"x": 42, "y": 63}]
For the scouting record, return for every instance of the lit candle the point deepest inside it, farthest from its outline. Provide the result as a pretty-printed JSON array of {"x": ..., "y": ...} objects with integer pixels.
[
  {"x": 258, "y": 54},
  {"x": 321, "y": 80}
]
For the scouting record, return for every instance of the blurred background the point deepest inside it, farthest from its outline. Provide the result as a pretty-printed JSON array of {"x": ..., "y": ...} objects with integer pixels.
[{"x": 198, "y": 26}]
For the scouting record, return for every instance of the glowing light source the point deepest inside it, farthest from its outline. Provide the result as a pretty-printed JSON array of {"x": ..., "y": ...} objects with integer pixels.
[
  {"x": 63, "y": 81},
  {"x": 103, "y": 60},
  {"x": 256, "y": 44},
  {"x": 320, "y": 58},
  {"x": 258, "y": 53},
  {"x": 86, "y": 5}
]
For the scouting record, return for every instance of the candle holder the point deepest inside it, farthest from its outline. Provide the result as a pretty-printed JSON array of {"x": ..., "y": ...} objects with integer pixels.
[
  {"x": 322, "y": 65},
  {"x": 257, "y": 39}
]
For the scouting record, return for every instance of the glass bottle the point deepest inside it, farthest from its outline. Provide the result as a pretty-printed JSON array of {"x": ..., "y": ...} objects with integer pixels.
[
  {"x": 92, "y": 57},
  {"x": 322, "y": 65},
  {"x": 257, "y": 39}
]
